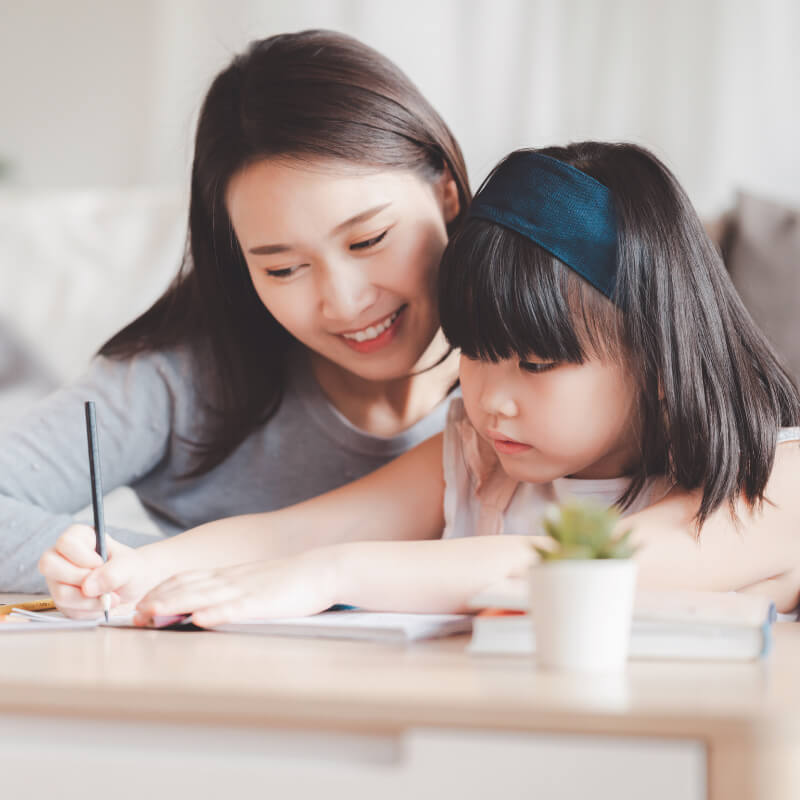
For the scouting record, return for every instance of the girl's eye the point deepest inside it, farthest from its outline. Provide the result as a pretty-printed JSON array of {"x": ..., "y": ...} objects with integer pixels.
[
  {"x": 536, "y": 367},
  {"x": 284, "y": 272},
  {"x": 367, "y": 243}
]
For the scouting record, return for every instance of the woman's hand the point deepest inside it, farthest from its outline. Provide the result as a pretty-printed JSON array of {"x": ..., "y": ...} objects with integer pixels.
[
  {"x": 77, "y": 577},
  {"x": 289, "y": 587}
]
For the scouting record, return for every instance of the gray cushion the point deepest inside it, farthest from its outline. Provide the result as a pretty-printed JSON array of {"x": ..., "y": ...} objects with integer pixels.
[{"x": 762, "y": 253}]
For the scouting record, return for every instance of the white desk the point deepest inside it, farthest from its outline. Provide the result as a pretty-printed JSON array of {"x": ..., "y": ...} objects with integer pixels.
[{"x": 126, "y": 713}]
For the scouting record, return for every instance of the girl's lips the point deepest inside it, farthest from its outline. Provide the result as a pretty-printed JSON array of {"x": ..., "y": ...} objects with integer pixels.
[
  {"x": 509, "y": 447},
  {"x": 381, "y": 340}
]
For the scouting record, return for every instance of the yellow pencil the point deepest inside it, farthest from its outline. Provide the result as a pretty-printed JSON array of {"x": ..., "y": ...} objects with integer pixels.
[{"x": 46, "y": 604}]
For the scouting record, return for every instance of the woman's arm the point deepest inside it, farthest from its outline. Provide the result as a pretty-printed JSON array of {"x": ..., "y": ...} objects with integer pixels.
[
  {"x": 44, "y": 478},
  {"x": 402, "y": 500},
  {"x": 761, "y": 554},
  {"x": 410, "y": 576}
]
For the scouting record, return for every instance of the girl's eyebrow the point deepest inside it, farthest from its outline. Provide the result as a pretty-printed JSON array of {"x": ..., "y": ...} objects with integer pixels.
[{"x": 363, "y": 216}]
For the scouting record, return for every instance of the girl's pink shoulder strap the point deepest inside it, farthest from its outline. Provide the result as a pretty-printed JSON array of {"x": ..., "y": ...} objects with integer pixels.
[{"x": 493, "y": 487}]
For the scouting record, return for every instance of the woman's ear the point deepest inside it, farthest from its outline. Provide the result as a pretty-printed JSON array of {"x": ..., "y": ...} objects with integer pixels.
[{"x": 447, "y": 191}]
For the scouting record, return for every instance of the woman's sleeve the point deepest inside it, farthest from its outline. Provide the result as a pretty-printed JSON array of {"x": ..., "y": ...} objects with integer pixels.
[{"x": 44, "y": 471}]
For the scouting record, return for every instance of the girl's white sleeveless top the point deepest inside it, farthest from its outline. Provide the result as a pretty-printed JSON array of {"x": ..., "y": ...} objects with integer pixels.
[{"x": 481, "y": 499}]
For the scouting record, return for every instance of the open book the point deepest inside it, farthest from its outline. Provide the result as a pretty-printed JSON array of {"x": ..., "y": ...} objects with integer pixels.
[
  {"x": 350, "y": 624},
  {"x": 22, "y": 620}
]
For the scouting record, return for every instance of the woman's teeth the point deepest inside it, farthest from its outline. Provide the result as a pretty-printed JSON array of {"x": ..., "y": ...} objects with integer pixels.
[{"x": 374, "y": 331}]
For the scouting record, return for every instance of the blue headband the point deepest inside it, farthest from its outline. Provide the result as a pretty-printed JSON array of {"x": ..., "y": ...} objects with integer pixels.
[{"x": 562, "y": 209}]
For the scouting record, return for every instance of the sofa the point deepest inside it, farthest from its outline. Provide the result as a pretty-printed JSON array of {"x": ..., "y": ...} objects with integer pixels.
[{"x": 75, "y": 266}]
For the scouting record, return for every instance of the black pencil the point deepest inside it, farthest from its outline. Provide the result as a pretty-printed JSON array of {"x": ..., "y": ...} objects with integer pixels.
[{"x": 97, "y": 491}]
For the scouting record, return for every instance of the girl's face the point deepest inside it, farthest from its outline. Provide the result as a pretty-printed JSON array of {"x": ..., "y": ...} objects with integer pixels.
[
  {"x": 344, "y": 259},
  {"x": 548, "y": 421}
]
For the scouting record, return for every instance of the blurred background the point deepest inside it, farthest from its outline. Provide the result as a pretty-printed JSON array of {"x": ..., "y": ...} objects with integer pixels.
[{"x": 98, "y": 102}]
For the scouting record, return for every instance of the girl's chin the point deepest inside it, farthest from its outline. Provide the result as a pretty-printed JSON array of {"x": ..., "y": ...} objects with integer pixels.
[{"x": 531, "y": 473}]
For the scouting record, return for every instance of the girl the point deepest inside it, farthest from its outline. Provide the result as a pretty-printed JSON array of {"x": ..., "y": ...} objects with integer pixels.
[
  {"x": 299, "y": 347},
  {"x": 604, "y": 354}
]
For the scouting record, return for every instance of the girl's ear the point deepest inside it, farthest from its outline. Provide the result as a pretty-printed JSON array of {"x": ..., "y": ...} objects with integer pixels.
[{"x": 447, "y": 192}]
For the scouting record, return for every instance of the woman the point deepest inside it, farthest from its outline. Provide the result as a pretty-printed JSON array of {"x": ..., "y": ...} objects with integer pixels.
[{"x": 299, "y": 346}]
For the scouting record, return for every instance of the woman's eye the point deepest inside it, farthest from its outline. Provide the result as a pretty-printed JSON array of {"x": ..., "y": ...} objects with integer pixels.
[
  {"x": 536, "y": 367},
  {"x": 284, "y": 272},
  {"x": 367, "y": 243}
]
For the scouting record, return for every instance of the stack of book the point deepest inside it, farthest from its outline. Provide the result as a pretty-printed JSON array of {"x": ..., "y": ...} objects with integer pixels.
[{"x": 720, "y": 626}]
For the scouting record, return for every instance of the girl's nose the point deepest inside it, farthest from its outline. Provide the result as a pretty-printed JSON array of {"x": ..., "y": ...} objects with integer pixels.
[
  {"x": 500, "y": 405},
  {"x": 345, "y": 292},
  {"x": 496, "y": 398}
]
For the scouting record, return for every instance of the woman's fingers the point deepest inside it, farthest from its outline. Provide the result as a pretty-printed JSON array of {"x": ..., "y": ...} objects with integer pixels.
[
  {"x": 180, "y": 580},
  {"x": 187, "y": 595},
  {"x": 111, "y": 576},
  {"x": 77, "y": 545},
  {"x": 56, "y": 568},
  {"x": 71, "y": 601},
  {"x": 68, "y": 565},
  {"x": 281, "y": 588},
  {"x": 221, "y": 613}
]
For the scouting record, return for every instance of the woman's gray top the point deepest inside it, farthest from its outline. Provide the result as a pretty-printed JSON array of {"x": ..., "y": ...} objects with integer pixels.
[{"x": 148, "y": 409}]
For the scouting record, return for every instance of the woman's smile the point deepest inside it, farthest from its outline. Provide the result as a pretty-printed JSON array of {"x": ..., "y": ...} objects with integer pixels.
[{"x": 377, "y": 335}]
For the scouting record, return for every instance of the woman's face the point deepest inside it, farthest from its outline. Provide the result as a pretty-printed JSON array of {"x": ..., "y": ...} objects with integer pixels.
[
  {"x": 346, "y": 259},
  {"x": 548, "y": 421}
]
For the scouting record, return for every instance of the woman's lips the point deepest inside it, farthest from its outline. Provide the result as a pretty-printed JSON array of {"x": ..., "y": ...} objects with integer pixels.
[{"x": 381, "y": 340}]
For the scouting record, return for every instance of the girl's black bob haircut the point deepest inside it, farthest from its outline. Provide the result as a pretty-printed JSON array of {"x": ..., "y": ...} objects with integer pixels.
[{"x": 713, "y": 393}]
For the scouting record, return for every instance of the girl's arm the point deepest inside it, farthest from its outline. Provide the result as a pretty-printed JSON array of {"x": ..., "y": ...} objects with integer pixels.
[
  {"x": 759, "y": 551},
  {"x": 760, "y": 554}
]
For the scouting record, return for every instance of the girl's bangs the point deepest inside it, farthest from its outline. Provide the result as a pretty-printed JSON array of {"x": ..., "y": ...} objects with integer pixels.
[{"x": 502, "y": 296}]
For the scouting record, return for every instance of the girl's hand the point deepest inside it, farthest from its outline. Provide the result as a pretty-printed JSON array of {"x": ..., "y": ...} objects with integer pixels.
[
  {"x": 77, "y": 577},
  {"x": 290, "y": 587},
  {"x": 783, "y": 590}
]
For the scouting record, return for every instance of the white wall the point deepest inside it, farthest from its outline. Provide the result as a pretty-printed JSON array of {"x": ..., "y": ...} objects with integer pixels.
[{"x": 102, "y": 92}]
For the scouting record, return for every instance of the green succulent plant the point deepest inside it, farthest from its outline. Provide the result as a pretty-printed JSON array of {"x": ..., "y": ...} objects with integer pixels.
[{"x": 583, "y": 530}]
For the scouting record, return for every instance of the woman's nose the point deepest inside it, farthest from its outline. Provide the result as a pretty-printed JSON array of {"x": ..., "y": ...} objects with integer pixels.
[{"x": 346, "y": 292}]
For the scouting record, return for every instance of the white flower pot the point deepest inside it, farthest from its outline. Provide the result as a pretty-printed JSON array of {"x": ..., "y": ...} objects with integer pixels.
[{"x": 582, "y": 612}]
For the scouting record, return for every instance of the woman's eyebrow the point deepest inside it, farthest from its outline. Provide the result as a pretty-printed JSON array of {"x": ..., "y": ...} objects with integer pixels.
[
  {"x": 269, "y": 249},
  {"x": 363, "y": 216}
]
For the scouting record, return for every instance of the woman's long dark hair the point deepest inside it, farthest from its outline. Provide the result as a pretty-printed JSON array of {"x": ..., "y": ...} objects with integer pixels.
[
  {"x": 713, "y": 394},
  {"x": 310, "y": 95}
]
